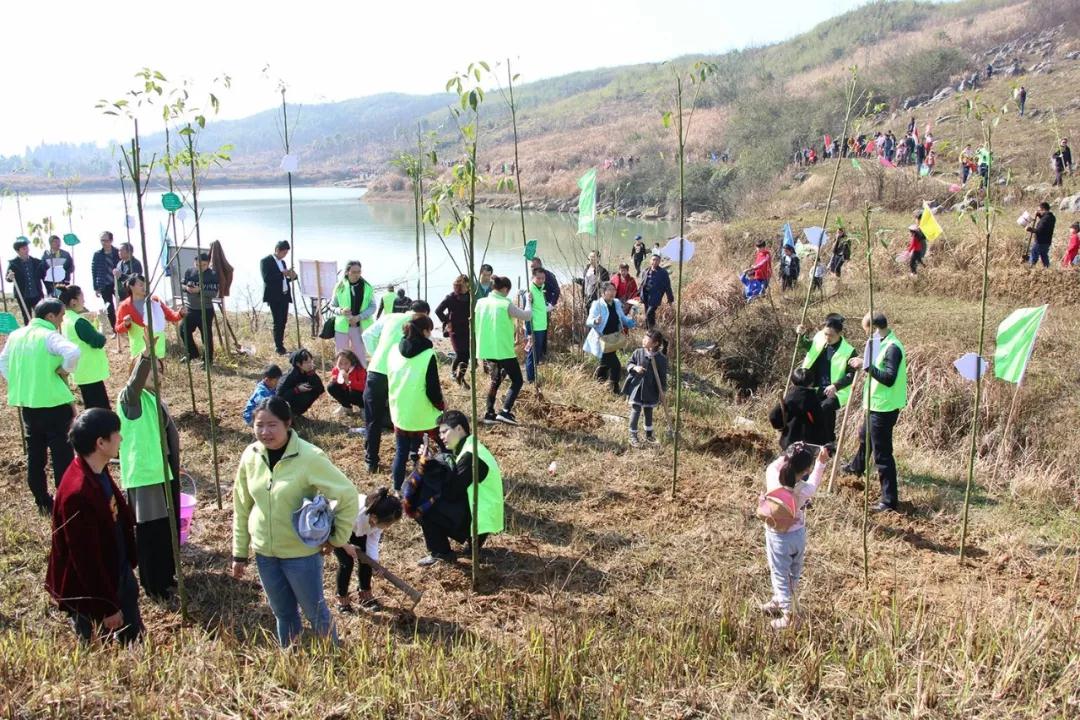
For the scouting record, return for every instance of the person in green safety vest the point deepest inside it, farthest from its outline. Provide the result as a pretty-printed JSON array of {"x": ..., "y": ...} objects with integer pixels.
[
  {"x": 826, "y": 362},
  {"x": 536, "y": 328},
  {"x": 886, "y": 392},
  {"x": 454, "y": 519},
  {"x": 93, "y": 368},
  {"x": 132, "y": 312},
  {"x": 495, "y": 317},
  {"x": 354, "y": 299},
  {"x": 382, "y": 337},
  {"x": 36, "y": 361},
  {"x": 142, "y": 476},
  {"x": 386, "y": 302},
  {"x": 416, "y": 398}
]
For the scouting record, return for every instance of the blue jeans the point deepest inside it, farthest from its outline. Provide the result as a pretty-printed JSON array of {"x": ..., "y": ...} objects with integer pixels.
[
  {"x": 785, "y": 553},
  {"x": 539, "y": 352},
  {"x": 1040, "y": 252},
  {"x": 291, "y": 585},
  {"x": 404, "y": 446}
]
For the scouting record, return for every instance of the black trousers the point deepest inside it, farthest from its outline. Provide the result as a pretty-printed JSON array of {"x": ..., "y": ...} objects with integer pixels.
[
  {"x": 157, "y": 570},
  {"x": 376, "y": 414},
  {"x": 87, "y": 628},
  {"x": 345, "y": 395},
  {"x": 95, "y": 395},
  {"x": 610, "y": 369},
  {"x": 46, "y": 434},
  {"x": 193, "y": 321},
  {"x": 650, "y": 316},
  {"x": 346, "y": 563},
  {"x": 438, "y": 532},
  {"x": 279, "y": 313},
  {"x": 825, "y": 421},
  {"x": 501, "y": 369},
  {"x": 881, "y": 443},
  {"x": 110, "y": 303},
  {"x": 28, "y": 311},
  {"x": 301, "y": 402},
  {"x": 460, "y": 341}
]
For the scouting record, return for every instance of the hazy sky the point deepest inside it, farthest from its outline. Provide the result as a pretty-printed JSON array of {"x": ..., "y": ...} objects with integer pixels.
[{"x": 63, "y": 56}]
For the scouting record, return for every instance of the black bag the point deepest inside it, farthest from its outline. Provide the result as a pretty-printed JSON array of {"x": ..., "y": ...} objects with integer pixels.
[{"x": 327, "y": 332}]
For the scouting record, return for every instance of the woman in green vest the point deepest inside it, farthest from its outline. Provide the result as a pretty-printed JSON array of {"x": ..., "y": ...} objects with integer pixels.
[
  {"x": 355, "y": 303},
  {"x": 415, "y": 394},
  {"x": 536, "y": 329},
  {"x": 143, "y": 470},
  {"x": 495, "y": 316},
  {"x": 386, "y": 302},
  {"x": 93, "y": 368},
  {"x": 451, "y": 515},
  {"x": 826, "y": 363}
]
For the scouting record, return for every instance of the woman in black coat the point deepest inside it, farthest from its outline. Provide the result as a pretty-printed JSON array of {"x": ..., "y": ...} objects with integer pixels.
[{"x": 797, "y": 416}]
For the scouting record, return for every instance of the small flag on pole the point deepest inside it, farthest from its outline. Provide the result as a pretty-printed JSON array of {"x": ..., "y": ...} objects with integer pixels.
[
  {"x": 1015, "y": 341},
  {"x": 929, "y": 224},
  {"x": 587, "y": 203},
  {"x": 855, "y": 163},
  {"x": 789, "y": 237}
]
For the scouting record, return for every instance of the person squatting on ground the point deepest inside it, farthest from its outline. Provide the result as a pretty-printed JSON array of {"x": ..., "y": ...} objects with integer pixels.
[
  {"x": 302, "y": 386},
  {"x": 93, "y": 549},
  {"x": 495, "y": 316},
  {"x": 378, "y": 511},
  {"x": 266, "y": 387},
  {"x": 35, "y": 362},
  {"x": 93, "y": 368},
  {"x": 607, "y": 326},
  {"x": 886, "y": 393},
  {"x": 789, "y": 479},
  {"x": 276, "y": 474},
  {"x": 347, "y": 380},
  {"x": 416, "y": 399},
  {"x": 382, "y": 337},
  {"x": 646, "y": 383}
]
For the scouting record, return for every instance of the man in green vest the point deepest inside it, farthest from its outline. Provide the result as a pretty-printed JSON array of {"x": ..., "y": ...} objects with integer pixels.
[
  {"x": 826, "y": 360},
  {"x": 355, "y": 303},
  {"x": 886, "y": 392},
  {"x": 36, "y": 361},
  {"x": 93, "y": 368},
  {"x": 386, "y": 303},
  {"x": 536, "y": 328},
  {"x": 495, "y": 316},
  {"x": 450, "y": 516},
  {"x": 142, "y": 476},
  {"x": 382, "y": 337}
]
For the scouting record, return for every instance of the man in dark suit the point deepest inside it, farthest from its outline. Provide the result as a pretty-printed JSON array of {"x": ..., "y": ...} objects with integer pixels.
[{"x": 276, "y": 292}]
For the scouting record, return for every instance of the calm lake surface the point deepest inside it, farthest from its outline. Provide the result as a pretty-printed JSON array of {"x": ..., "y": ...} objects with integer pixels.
[{"x": 332, "y": 224}]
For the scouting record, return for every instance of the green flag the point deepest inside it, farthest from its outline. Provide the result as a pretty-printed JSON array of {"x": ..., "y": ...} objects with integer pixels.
[
  {"x": 586, "y": 203},
  {"x": 1015, "y": 340}
]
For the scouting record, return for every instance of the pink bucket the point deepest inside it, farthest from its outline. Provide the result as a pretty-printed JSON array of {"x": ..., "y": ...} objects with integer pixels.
[{"x": 187, "y": 515}]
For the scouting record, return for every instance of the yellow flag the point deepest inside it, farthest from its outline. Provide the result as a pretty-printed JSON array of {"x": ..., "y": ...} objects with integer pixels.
[{"x": 929, "y": 225}]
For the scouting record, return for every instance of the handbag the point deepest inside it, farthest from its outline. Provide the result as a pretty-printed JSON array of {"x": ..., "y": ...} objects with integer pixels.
[
  {"x": 612, "y": 342},
  {"x": 327, "y": 332}
]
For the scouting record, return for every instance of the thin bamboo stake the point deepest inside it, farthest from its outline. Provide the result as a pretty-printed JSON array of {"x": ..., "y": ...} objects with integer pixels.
[
  {"x": 843, "y": 433},
  {"x": 824, "y": 227},
  {"x": 420, "y": 184},
  {"x": 472, "y": 355},
  {"x": 127, "y": 230},
  {"x": 678, "y": 286},
  {"x": 135, "y": 171},
  {"x": 292, "y": 225},
  {"x": 521, "y": 215},
  {"x": 172, "y": 221},
  {"x": 866, "y": 398},
  {"x": 207, "y": 331},
  {"x": 1014, "y": 407},
  {"x": 18, "y": 411}
]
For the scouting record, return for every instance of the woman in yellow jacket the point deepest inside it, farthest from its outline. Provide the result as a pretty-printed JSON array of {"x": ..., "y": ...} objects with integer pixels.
[{"x": 276, "y": 474}]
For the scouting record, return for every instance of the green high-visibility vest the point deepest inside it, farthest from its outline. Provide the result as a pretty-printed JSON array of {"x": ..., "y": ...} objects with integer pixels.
[
  {"x": 489, "y": 513},
  {"x": 494, "y": 328},
  {"x": 141, "y": 463},
  {"x": 32, "y": 378},
  {"x": 388, "y": 303},
  {"x": 886, "y": 399},
  {"x": 343, "y": 295},
  {"x": 93, "y": 362},
  {"x": 410, "y": 408},
  {"x": 838, "y": 366},
  {"x": 137, "y": 335},
  {"x": 391, "y": 335},
  {"x": 539, "y": 308}
]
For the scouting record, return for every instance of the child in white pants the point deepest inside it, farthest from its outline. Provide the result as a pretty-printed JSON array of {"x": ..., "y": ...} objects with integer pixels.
[{"x": 785, "y": 551}]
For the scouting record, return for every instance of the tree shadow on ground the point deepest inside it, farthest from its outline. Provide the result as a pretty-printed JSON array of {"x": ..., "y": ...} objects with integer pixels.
[
  {"x": 559, "y": 532},
  {"x": 542, "y": 492},
  {"x": 920, "y": 541},
  {"x": 408, "y": 626},
  {"x": 198, "y": 424},
  {"x": 506, "y": 568},
  {"x": 217, "y": 602}
]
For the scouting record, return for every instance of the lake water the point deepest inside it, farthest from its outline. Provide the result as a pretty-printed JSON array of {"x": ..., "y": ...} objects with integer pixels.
[{"x": 332, "y": 224}]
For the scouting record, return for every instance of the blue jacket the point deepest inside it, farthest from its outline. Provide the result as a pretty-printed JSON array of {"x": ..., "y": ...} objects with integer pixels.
[
  {"x": 598, "y": 317},
  {"x": 655, "y": 285},
  {"x": 261, "y": 392}
]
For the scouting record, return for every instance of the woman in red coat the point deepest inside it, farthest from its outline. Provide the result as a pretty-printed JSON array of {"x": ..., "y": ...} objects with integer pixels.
[{"x": 93, "y": 537}]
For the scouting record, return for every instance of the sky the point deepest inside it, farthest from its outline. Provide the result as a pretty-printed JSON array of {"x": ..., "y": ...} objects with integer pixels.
[{"x": 63, "y": 56}]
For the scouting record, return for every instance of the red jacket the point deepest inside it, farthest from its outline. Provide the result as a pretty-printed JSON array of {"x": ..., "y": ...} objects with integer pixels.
[
  {"x": 762, "y": 268},
  {"x": 83, "y": 568},
  {"x": 357, "y": 378},
  {"x": 127, "y": 309},
  {"x": 624, "y": 291}
]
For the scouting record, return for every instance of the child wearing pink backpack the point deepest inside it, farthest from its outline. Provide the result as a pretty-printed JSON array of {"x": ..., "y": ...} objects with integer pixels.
[{"x": 789, "y": 484}]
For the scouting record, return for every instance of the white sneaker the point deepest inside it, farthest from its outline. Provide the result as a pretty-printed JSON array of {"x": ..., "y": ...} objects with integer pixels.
[
  {"x": 784, "y": 621},
  {"x": 338, "y": 411},
  {"x": 772, "y": 607}
]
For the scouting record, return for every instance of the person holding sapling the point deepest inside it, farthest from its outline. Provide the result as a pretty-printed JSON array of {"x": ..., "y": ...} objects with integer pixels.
[
  {"x": 93, "y": 368},
  {"x": 132, "y": 313},
  {"x": 646, "y": 383},
  {"x": 826, "y": 365},
  {"x": 93, "y": 551},
  {"x": 789, "y": 485},
  {"x": 378, "y": 511},
  {"x": 302, "y": 386}
]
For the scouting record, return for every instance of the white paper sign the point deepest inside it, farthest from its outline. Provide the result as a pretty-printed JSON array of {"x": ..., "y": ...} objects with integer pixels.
[
  {"x": 671, "y": 250},
  {"x": 318, "y": 278},
  {"x": 816, "y": 236},
  {"x": 181, "y": 214},
  {"x": 1023, "y": 219},
  {"x": 970, "y": 364},
  {"x": 55, "y": 273},
  {"x": 290, "y": 163}
]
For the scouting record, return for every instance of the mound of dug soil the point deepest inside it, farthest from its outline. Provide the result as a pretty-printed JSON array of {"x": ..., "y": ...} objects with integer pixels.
[
  {"x": 562, "y": 417},
  {"x": 748, "y": 442}
]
